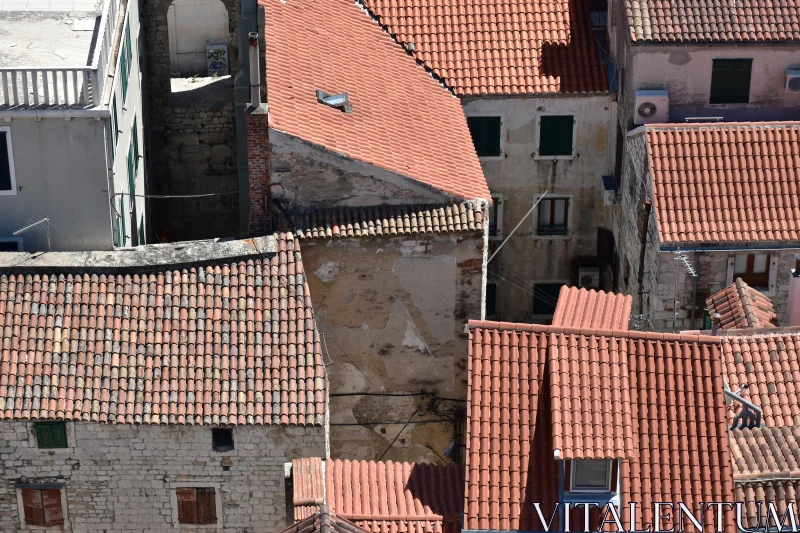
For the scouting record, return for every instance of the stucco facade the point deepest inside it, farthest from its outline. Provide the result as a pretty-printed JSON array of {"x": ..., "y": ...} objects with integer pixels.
[
  {"x": 70, "y": 163},
  {"x": 397, "y": 306},
  {"x": 123, "y": 477},
  {"x": 519, "y": 176}
]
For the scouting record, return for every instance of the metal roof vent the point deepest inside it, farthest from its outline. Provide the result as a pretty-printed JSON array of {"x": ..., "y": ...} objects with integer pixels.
[
  {"x": 339, "y": 101},
  {"x": 749, "y": 416}
]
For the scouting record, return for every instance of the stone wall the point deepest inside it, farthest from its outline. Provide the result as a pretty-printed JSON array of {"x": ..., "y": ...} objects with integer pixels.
[
  {"x": 191, "y": 142},
  {"x": 397, "y": 306},
  {"x": 121, "y": 478}
]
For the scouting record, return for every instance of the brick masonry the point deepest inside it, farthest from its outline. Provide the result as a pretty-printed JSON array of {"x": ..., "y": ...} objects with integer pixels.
[
  {"x": 258, "y": 154},
  {"x": 192, "y": 148},
  {"x": 121, "y": 478}
]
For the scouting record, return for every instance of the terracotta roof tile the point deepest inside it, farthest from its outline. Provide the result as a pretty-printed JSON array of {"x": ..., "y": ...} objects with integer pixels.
[
  {"x": 499, "y": 47},
  {"x": 726, "y": 182},
  {"x": 779, "y": 491},
  {"x": 392, "y": 497},
  {"x": 232, "y": 342},
  {"x": 770, "y": 365},
  {"x": 323, "y": 521},
  {"x": 741, "y": 306},
  {"x": 581, "y": 308},
  {"x": 389, "y": 220},
  {"x": 308, "y": 486},
  {"x": 402, "y": 119},
  {"x": 690, "y": 21},
  {"x": 676, "y": 406}
]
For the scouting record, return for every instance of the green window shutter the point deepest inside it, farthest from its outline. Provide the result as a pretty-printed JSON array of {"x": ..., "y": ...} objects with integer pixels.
[
  {"x": 51, "y": 434},
  {"x": 141, "y": 231},
  {"x": 555, "y": 135},
  {"x": 115, "y": 122},
  {"x": 730, "y": 81},
  {"x": 5, "y": 165},
  {"x": 123, "y": 238},
  {"x": 135, "y": 148},
  {"x": 485, "y": 132}
]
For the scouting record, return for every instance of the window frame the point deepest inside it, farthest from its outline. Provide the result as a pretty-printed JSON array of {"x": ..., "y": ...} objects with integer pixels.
[
  {"x": 539, "y": 234},
  {"x": 173, "y": 492},
  {"x": 725, "y": 83},
  {"x": 607, "y": 489},
  {"x": 538, "y": 140},
  {"x": 18, "y": 240},
  {"x": 11, "y": 170},
  {"x": 501, "y": 143},
  {"x": 749, "y": 275},
  {"x": 24, "y": 525}
]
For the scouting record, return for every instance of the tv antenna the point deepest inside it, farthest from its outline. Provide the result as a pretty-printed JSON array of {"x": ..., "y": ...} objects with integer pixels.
[{"x": 37, "y": 225}]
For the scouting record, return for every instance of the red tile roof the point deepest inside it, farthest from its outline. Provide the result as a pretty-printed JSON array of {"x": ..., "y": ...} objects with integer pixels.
[
  {"x": 726, "y": 182},
  {"x": 308, "y": 487},
  {"x": 688, "y": 21},
  {"x": 402, "y": 119},
  {"x": 581, "y": 308},
  {"x": 741, "y": 306},
  {"x": 390, "y": 220},
  {"x": 770, "y": 365},
  {"x": 323, "y": 521},
  {"x": 779, "y": 491},
  {"x": 499, "y": 47},
  {"x": 680, "y": 439},
  {"x": 229, "y": 342},
  {"x": 384, "y": 497}
]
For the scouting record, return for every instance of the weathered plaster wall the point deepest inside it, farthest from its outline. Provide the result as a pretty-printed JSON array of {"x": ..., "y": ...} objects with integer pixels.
[
  {"x": 192, "y": 25},
  {"x": 303, "y": 174},
  {"x": 120, "y": 478},
  {"x": 398, "y": 307},
  {"x": 519, "y": 179},
  {"x": 192, "y": 143}
]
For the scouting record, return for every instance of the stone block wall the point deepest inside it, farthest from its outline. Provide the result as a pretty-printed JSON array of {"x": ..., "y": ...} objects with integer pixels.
[
  {"x": 121, "y": 477},
  {"x": 397, "y": 307}
]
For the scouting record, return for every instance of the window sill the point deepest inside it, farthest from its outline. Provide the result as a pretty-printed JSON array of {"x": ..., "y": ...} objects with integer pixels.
[
  {"x": 491, "y": 157},
  {"x": 9, "y": 192},
  {"x": 551, "y": 236},
  {"x": 554, "y": 157}
]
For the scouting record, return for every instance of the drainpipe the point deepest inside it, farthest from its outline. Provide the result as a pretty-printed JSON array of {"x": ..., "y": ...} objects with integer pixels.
[
  {"x": 255, "y": 80},
  {"x": 694, "y": 288},
  {"x": 648, "y": 205}
]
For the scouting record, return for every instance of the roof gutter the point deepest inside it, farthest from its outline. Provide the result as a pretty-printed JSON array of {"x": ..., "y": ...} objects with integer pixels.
[{"x": 728, "y": 248}]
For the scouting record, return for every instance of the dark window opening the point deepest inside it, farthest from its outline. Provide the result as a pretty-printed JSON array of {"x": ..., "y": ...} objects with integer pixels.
[
  {"x": 51, "y": 434},
  {"x": 753, "y": 269},
  {"x": 493, "y": 209},
  {"x": 545, "y": 297},
  {"x": 491, "y": 299},
  {"x": 555, "y": 135},
  {"x": 5, "y": 162},
  {"x": 485, "y": 133},
  {"x": 553, "y": 216},
  {"x": 730, "y": 81},
  {"x": 42, "y": 507},
  {"x": 9, "y": 246},
  {"x": 222, "y": 439},
  {"x": 197, "y": 506}
]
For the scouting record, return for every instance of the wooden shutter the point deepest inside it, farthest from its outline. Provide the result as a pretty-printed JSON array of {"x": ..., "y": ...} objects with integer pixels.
[
  {"x": 33, "y": 508},
  {"x": 485, "y": 133},
  {"x": 555, "y": 135},
  {"x": 730, "y": 81},
  {"x": 187, "y": 506},
  {"x": 206, "y": 506},
  {"x": 51, "y": 502},
  {"x": 5, "y": 166},
  {"x": 51, "y": 434}
]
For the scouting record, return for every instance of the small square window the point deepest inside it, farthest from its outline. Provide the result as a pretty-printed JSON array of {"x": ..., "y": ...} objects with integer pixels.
[
  {"x": 545, "y": 297},
  {"x": 222, "y": 439},
  {"x": 42, "y": 507},
  {"x": 555, "y": 135},
  {"x": 51, "y": 434},
  {"x": 197, "y": 506},
  {"x": 590, "y": 475},
  {"x": 491, "y": 299},
  {"x": 730, "y": 81},
  {"x": 553, "y": 216},
  {"x": 485, "y": 133}
]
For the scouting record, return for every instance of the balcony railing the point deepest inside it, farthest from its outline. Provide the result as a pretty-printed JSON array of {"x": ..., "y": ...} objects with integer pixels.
[{"x": 64, "y": 86}]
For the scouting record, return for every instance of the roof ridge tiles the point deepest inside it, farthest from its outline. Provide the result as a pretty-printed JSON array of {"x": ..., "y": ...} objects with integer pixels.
[{"x": 628, "y": 334}]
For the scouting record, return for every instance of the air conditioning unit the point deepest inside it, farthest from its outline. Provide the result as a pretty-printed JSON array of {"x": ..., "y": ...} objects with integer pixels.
[
  {"x": 793, "y": 81},
  {"x": 589, "y": 278},
  {"x": 652, "y": 107},
  {"x": 609, "y": 190}
]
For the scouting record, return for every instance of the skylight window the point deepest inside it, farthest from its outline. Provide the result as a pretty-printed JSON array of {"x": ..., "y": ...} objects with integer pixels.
[{"x": 339, "y": 101}]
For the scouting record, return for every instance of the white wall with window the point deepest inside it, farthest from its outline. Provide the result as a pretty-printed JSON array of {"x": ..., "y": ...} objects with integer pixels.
[{"x": 757, "y": 269}]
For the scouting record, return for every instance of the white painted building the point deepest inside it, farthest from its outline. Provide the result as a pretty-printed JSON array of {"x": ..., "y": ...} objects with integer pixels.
[{"x": 72, "y": 148}]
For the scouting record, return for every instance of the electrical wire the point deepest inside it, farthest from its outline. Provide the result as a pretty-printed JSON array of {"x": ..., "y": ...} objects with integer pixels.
[{"x": 398, "y": 434}]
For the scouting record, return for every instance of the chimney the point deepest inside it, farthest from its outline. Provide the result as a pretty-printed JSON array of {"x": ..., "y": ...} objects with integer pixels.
[
  {"x": 793, "y": 307},
  {"x": 716, "y": 320},
  {"x": 255, "y": 78}
]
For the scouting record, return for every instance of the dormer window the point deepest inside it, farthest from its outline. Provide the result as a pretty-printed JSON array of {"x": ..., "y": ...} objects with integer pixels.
[{"x": 592, "y": 475}]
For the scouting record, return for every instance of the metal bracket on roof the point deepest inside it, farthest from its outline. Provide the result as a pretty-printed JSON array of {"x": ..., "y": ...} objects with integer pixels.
[
  {"x": 749, "y": 416},
  {"x": 339, "y": 101}
]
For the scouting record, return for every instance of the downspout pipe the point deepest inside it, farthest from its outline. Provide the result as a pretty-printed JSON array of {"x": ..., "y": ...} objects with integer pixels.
[
  {"x": 648, "y": 206},
  {"x": 255, "y": 77}
]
